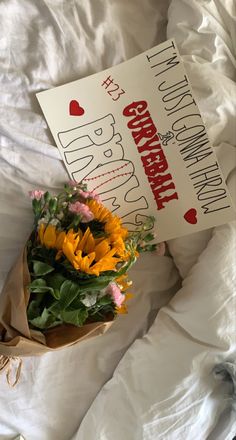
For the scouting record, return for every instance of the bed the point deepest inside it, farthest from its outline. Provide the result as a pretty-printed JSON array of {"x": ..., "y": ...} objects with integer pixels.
[{"x": 167, "y": 370}]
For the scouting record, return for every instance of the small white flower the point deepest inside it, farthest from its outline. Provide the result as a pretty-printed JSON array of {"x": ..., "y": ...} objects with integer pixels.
[
  {"x": 54, "y": 222},
  {"x": 42, "y": 220},
  {"x": 89, "y": 300}
]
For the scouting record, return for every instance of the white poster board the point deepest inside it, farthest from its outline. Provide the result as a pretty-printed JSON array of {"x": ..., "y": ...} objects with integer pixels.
[{"x": 135, "y": 135}]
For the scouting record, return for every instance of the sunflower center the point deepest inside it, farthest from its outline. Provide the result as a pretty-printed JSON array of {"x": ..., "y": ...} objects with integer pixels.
[{"x": 96, "y": 227}]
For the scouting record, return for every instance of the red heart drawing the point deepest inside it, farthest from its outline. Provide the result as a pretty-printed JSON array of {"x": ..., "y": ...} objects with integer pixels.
[
  {"x": 191, "y": 216},
  {"x": 75, "y": 108}
]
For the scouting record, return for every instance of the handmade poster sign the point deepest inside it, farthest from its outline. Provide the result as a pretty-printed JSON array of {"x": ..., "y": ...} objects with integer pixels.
[{"x": 135, "y": 135}]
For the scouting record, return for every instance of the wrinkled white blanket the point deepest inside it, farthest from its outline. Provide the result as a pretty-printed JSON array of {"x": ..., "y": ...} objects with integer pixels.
[{"x": 164, "y": 386}]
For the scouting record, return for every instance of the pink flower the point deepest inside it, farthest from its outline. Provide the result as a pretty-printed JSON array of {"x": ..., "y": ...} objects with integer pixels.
[
  {"x": 89, "y": 195},
  {"x": 113, "y": 290},
  {"x": 83, "y": 210},
  {"x": 36, "y": 194}
]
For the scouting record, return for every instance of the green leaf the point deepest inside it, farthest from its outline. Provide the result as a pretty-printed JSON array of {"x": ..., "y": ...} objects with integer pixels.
[
  {"x": 149, "y": 248},
  {"x": 97, "y": 283},
  {"x": 76, "y": 220},
  {"x": 126, "y": 267},
  {"x": 68, "y": 292},
  {"x": 36, "y": 204},
  {"x": 52, "y": 205},
  {"x": 39, "y": 286},
  {"x": 76, "y": 304},
  {"x": 46, "y": 196},
  {"x": 75, "y": 317},
  {"x": 55, "y": 280},
  {"x": 148, "y": 237},
  {"x": 41, "y": 268},
  {"x": 41, "y": 290},
  {"x": 34, "y": 308},
  {"x": 56, "y": 293},
  {"x": 45, "y": 320},
  {"x": 39, "y": 282},
  {"x": 55, "y": 309},
  {"x": 149, "y": 223},
  {"x": 107, "y": 299}
]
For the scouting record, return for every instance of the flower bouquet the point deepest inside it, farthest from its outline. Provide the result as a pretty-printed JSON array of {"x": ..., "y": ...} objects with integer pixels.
[{"x": 71, "y": 280}]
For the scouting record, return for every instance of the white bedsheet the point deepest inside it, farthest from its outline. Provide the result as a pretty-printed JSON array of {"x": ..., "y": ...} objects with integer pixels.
[
  {"x": 44, "y": 44},
  {"x": 50, "y": 42},
  {"x": 165, "y": 386}
]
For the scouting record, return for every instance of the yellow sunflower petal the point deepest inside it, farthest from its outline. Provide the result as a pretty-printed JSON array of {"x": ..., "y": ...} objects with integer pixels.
[
  {"x": 77, "y": 260},
  {"x": 79, "y": 255},
  {"x": 91, "y": 257},
  {"x": 68, "y": 251},
  {"x": 41, "y": 232},
  {"x": 102, "y": 249},
  {"x": 106, "y": 263},
  {"x": 90, "y": 244},
  {"x": 50, "y": 236},
  {"x": 73, "y": 238},
  {"x": 114, "y": 228},
  {"x": 60, "y": 239},
  {"x": 100, "y": 212},
  {"x": 120, "y": 247},
  {"x": 98, "y": 240},
  {"x": 83, "y": 241},
  {"x": 86, "y": 262}
]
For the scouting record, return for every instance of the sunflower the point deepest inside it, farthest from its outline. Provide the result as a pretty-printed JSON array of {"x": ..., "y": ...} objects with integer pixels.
[
  {"x": 100, "y": 257},
  {"x": 112, "y": 224},
  {"x": 84, "y": 252}
]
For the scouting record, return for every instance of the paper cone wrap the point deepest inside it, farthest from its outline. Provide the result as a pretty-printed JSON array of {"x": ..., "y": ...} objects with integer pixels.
[{"x": 16, "y": 338}]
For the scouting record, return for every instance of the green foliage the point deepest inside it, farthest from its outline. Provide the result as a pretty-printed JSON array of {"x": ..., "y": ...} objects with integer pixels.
[
  {"x": 148, "y": 237},
  {"x": 68, "y": 292},
  {"x": 39, "y": 286},
  {"x": 52, "y": 205},
  {"x": 55, "y": 281},
  {"x": 46, "y": 197},
  {"x": 56, "y": 299},
  {"x": 139, "y": 238},
  {"x": 34, "y": 308},
  {"x": 105, "y": 300},
  {"x": 45, "y": 320},
  {"x": 147, "y": 248},
  {"x": 75, "y": 317},
  {"x": 41, "y": 268}
]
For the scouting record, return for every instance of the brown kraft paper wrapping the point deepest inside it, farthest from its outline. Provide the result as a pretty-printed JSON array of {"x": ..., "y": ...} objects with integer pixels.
[{"x": 16, "y": 338}]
